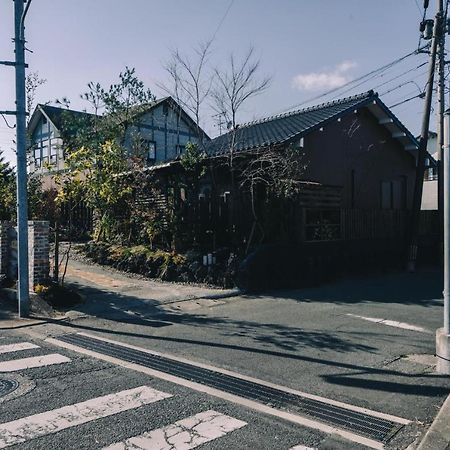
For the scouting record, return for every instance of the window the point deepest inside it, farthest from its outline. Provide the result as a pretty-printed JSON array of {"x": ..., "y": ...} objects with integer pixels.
[
  {"x": 151, "y": 150},
  {"x": 44, "y": 120},
  {"x": 53, "y": 153},
  {"x": 179, "y": 149},
  {"x": 37, "y": 155}
]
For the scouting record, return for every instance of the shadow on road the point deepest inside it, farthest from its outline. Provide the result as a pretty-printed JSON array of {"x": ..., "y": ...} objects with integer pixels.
[{"x": 422, "y": 288}]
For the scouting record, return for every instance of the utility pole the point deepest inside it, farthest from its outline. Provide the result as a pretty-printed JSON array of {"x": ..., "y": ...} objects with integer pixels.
[
  {"x": 22, "y": 201},
  {"x": 422, "y": 151},
  {"x": 443, "y": 334},
  {"x": 440, "y": 127}
]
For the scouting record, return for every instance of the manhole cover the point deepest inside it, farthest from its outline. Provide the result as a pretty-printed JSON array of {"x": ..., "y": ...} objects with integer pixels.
[{"x": 7, "y": 386}]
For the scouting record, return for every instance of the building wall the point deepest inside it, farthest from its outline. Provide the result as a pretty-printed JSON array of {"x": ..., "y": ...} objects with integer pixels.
[
  {"x": 165, "y": 129},
  {"x": 430, "y": 194},
  {"x": 46, "y": 148},
  {"x": 361, "y": 156},
  {"x": 430, "y": 183}
]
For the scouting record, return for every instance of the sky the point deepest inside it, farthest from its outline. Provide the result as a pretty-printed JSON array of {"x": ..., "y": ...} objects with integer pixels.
[{"x": 306, "y": 47}]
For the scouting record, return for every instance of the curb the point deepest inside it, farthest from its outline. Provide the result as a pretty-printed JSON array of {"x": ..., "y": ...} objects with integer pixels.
[
  {"x": 230, "y": 293},
  {"x": 438, "y": 435}
]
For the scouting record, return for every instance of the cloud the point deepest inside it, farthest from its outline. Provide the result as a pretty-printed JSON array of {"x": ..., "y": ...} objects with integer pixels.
[{"x": 314, "y": 81}]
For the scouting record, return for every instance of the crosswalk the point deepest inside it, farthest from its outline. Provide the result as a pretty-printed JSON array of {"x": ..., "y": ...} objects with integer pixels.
[
  {"x": 183, "y": 434},
  {"x": 186, "y": 433}
]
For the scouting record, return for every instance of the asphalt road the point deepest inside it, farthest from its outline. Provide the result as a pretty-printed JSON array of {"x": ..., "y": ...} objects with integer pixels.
[{"x": 327, "y": 341}]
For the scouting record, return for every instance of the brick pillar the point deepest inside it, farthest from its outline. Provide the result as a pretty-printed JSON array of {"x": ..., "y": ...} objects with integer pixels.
[
  {"x": 38, "y": 251},
  {"x": 4, "y": 246}
]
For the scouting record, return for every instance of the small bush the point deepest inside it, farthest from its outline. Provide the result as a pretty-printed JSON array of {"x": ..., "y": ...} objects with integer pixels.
[
  {"x": 167, "y": 266},
  {"x": 57, "y": 295}
]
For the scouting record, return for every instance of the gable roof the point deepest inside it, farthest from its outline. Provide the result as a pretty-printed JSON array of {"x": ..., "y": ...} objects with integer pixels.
[
  {"x": 176, "y": 107},
  {"x": 56, "y": 114},
  {"x": 288, "y": 127}
]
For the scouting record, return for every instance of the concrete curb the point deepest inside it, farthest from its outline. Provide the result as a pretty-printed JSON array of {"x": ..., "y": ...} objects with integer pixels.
[{"x": 438, "y": 435}]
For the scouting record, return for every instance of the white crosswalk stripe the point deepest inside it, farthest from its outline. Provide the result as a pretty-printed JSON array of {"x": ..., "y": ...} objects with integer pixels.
[
  {"x": 32, "y": 362},
  {"x": 10, "y": 348},
  {"x": 183, "y": 435},
  {"x": 38, "y": 425}
]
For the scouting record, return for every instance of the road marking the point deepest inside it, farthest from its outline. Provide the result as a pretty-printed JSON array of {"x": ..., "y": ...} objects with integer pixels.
[
  {"x": 38, "y": 425},
  {"x": 9, "y": 348},
  {"x": 291, "y": 417},
  {"x": 183, "y": 435},
  {"x": 34, "y": 361},
  {"x": 302, "y": 447},
  {"x": 393, "y": 323}
]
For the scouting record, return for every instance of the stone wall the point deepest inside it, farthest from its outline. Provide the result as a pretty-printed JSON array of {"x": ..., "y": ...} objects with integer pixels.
[{"x": 38, "y": 251}]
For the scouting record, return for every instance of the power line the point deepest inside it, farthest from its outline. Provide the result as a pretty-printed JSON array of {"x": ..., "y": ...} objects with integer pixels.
[
  {"x": 418, "y": 7},
  {"x": 222, "y": 20},
  {"x": 372, "y": 74},
  {"x": 421, "y": 95}
]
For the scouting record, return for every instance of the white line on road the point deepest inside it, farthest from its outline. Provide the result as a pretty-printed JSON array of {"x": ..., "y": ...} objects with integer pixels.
[
  {"x": 302, "y": 447},
  {"x": 393, "y": 323},
  {"x": 9, "y": 348},
  {"x": 183, "y": 435},
  {"x": 34, "y": 361},
  {"x": 38, "y": 425}
]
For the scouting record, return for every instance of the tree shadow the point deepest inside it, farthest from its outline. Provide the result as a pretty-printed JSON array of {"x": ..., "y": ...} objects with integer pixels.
[
  {"x": 423, "y": 288},
  {"x": 132, "y": 310}
]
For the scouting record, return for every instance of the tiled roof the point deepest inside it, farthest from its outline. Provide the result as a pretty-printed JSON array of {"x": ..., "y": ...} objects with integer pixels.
[{"x": 283, "y": 128}]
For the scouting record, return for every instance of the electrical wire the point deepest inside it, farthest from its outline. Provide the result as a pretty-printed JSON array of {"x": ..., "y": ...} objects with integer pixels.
[
  {"x": 7, "y": 124},
  {"x": 222, "y": 20},
  {"x": 421, "y": 95},
  {"x": 404, "y": 84},
  {"x": 372, "y": 74}
]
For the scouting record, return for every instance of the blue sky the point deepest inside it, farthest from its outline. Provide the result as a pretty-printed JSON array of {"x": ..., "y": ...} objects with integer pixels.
[{"x": 306, "y": 46}]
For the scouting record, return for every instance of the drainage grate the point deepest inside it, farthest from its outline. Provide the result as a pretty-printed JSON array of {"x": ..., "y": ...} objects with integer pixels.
[
  {"x": 360, "y": 423},
  {"x": 7, "y": 386}
]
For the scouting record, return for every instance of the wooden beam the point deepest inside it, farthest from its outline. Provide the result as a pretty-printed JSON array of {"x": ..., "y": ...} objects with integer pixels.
[
  {"x": 398, "y": 135},
  {"x": 385, "y": 121}
]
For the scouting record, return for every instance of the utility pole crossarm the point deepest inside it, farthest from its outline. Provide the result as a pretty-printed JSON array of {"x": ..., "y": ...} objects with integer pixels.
[{"x": 11, "y": 63}]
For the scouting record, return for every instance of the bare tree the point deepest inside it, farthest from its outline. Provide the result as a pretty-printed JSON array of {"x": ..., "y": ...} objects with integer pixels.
[
  {"x": 190, "y": 83},
  {"x": 238, "y": 83},
  {"x": 277, "y": 170},
  {"x": 233, "y": 86},
  {"x": 32, "y": 82}
]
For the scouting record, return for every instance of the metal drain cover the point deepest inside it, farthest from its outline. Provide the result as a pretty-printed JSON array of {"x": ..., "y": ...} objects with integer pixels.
[
  {"x": 7, "y": 386},
  {"x": 361, "y": 423}
]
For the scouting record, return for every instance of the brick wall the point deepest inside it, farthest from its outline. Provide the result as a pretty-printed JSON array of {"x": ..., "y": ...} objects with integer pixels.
[{"x": 38, "y": 252}]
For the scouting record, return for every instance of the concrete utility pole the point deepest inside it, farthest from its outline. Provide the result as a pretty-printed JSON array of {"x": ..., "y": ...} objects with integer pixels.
[
  {"x": 440, "y": 125},
  {"x": 422, "y": 151},
  {"x": 443, "y": 334},
  {"x": 22, "y": 201}
]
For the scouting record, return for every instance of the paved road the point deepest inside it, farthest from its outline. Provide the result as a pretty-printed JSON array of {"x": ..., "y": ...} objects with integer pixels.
[
  {"x": 46, "y": 412},
  {"x": 364, "y": 342}
]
